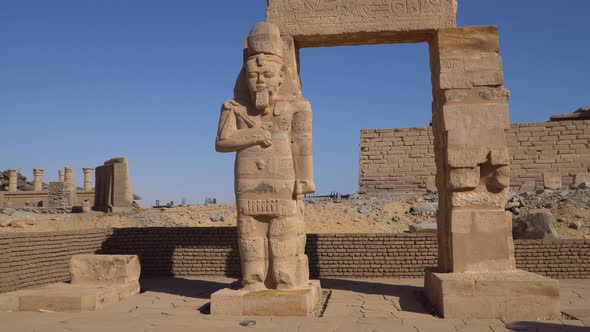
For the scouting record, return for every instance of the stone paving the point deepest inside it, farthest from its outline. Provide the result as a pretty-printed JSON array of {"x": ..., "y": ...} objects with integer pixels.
[{"x": 175, "y": 304}]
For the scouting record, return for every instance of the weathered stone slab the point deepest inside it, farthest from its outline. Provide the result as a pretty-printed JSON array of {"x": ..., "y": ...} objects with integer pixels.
[
  {"x": 467, "y": 40},
  {"x": 101, "y": 269},
  {"x": 516, "y": 295},
  {"x": 229, "y": 302},
  {"x": 315, "y": 23},
  {"x": 67, "y": 297},
  {"x": 479, "y": 116},
  {"x": 482, "y": 241},
  {"x": 552, "y": 180}
]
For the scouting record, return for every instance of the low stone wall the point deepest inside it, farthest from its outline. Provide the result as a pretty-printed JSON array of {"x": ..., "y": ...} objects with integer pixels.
[{"x": 30, "y": 259}]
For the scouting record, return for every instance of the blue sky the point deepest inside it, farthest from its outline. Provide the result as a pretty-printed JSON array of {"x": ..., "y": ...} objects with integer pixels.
[{"x": 86, "y": 80}]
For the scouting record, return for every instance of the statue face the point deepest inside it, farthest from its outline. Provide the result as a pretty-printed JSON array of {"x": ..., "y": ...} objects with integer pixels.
[{"x": 264, "y": 81}]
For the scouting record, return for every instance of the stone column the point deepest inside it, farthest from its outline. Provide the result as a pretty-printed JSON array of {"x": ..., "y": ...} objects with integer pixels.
[
  {"x": 61, "y": 175},
  {"x": 69, "y": 175},
  {"x": 12, "y": 180},
  {"x": 475, "y": 247},
  {"x": 88, "y": 178},
  {"x": 38, "y": 182}
]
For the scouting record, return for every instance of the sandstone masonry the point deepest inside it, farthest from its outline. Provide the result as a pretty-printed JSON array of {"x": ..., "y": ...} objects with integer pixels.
[{"x": 402, "y": 159}]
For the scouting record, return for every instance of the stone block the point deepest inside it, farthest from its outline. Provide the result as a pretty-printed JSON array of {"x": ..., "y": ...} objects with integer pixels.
[
  {"x": 527, "y": 186},
  {"x": 579, "y": 179},
  {"x": 113, "y": 185},
  {"x": 67, "y": 297},
  {"x": 228, "y": 302},
  {"x": 467, "y": 40},
  {"x": 464, "y": 178},
  {"x": 104, "y": 269},
  {"x": 552, "y": 180},
  {"x": 480, "y": 199},
  {"x": 355, "y": 22},
  {"x": 479, "y": 116},
  {"x": 516, "y": 295},
  {"x": 475, "y": 71},
  {"x": 481, "y": 241}
]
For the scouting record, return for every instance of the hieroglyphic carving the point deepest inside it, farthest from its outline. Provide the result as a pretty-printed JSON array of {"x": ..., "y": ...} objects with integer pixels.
[
  {"x": 310, "y": 20},
  {"x": 341, "y": 11}
]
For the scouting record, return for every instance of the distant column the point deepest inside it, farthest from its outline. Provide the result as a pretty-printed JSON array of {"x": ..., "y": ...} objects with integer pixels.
[
  {"x": 38, "y": 182},
  {"x": 12, "y": 179},
  {"x": 88, "y": 178},
  {"x": 61, "y": 175},
  {"x": 69, "y": 175}
]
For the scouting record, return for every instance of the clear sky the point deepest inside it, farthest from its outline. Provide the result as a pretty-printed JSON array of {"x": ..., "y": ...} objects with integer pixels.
[{"x": 82, "y": 81}]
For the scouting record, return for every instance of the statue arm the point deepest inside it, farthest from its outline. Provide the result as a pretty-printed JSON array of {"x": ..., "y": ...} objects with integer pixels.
[
  {"x": 230, "y": 138},
  {"x": 303, "y": 150}
]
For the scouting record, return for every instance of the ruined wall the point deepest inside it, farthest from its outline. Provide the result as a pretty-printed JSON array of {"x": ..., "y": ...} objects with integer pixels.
[
  {"x": 403, "y": 159},
  {"x": 31, "y": 259},
  {"x": 34, "y": 199}
]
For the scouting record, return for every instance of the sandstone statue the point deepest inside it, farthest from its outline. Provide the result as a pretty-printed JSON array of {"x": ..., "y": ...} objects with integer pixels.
[{"x": 271, "y": 135}]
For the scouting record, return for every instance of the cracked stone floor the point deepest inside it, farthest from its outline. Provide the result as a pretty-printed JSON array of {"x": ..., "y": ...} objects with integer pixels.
[{"x": 172, "y": 304}]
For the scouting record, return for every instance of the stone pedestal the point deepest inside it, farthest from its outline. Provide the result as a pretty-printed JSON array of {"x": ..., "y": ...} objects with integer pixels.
[
  {"x": 272, "y": 302},
  {"x": 96, "y": 281},
  {"x": 67, "y": 297},
  {"x": 515, "y": 295}
]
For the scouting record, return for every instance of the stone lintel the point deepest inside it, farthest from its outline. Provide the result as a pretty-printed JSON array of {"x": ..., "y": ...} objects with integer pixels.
[
  {"x": 229, "y": 302},
  {"x": 516, "y": 295},
  {"x": 357, "y": 22}
]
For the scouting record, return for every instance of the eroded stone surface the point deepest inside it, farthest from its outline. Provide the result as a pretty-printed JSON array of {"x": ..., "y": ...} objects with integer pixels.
[
  {"x": 508, "y": 295},
  {"x": 269, "y": 128},
  {"x": 104, "y": 269},
  {"x": 113, "y": 186},
  {"x": 346, "y": 22}
]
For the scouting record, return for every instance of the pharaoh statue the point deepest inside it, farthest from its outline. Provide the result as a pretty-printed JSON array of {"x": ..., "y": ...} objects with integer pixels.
[{"x": 270, "y": 131}]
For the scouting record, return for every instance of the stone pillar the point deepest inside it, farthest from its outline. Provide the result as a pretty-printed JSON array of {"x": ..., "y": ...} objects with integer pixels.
[
  {"x": 38, "y": 182},
  {"x": 70, "y": 186},
  {"x": 475, "y": 247},
  {"x": 61, "y": 175},
  {"x": 69, "y": 175},
  {"x": 88, "y": 178},
  {"x": 12, "y": 180}
]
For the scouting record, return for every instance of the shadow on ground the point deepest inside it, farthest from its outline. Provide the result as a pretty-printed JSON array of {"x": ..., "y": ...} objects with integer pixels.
[
  {"x": 201, "y": 289},
  {"x": 411, "y": 298},
  {"x": 542, "y": 327}
]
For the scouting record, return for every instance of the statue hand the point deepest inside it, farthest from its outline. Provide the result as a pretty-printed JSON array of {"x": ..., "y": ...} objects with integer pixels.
[
  {"x": 262, "y": 137},
  {"x": 232, "y": 105}
]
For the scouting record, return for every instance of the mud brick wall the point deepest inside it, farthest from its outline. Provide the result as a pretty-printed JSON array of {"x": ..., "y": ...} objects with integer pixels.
[
  {"x": 401, "y": 160},
  {"x": 561, "y": 259},
  {"x": 40, "y": 258},
  {"x": 370, "y": 255},
  {"x": 30, "y": 259},
  {"x": 183, "y": 251}
]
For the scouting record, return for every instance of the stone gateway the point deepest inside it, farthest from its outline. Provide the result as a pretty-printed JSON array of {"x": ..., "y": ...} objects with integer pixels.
[{"x": 268, "y": 124}]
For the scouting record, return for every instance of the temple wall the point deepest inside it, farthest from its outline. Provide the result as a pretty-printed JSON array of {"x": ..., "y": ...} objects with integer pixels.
[
  {"x": 402, "y": 159},
  {"x": 29, "y": 259}
]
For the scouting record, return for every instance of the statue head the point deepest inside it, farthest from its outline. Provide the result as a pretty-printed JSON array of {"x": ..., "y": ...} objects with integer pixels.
[{"x": 264, "y": 67}]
